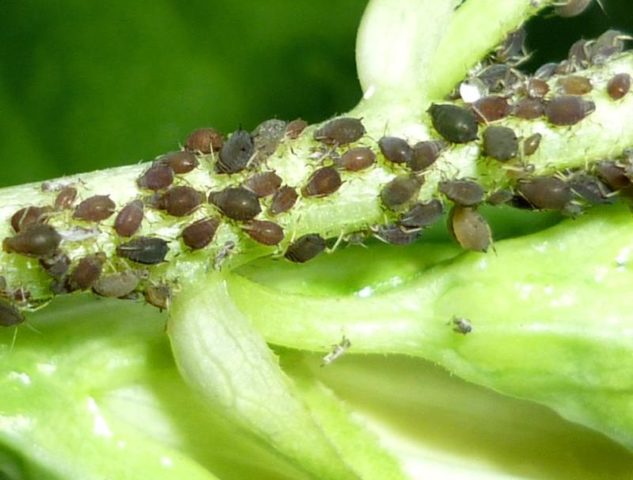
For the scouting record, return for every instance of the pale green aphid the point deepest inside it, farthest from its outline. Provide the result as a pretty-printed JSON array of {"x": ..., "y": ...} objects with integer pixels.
[{"x": 93, "y": 393}]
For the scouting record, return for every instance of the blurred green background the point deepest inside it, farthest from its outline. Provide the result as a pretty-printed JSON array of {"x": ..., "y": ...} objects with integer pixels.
[{"x": 87, "y": 85}]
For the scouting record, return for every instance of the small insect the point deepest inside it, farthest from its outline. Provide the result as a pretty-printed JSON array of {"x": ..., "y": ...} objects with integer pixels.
[
  {"x": 158, "y": 296},
  {"x": 182, "y": 161},
  {"x": 236, "y": 152},
  {"x": 455, "y": 124},
  {"x": 264, "y": 232},
  {"x": 323, "y": 181},
  {"x": 425, "y": 154},
  {"x": 469, "y": 228},
  {"x": 95, "y": 208},
  {"x": 574, "y": 85},
  {"x": 283, "y": 200},
  {"x": 65, "y": 198},
  {"x": 546, "y": 71},
  {"x": 512, "y": 50},
  {"x": 157, "y": 177},
  {"x": 400, "y": 191},
  {"x": 86, "y": 272},
  {"x": 491, "y": 108},
  {"x": 572, "y": 8},
  {"x": 263, "y": 184},
  {"x": 528, "y": 108},
  {"x": 295, "y": 127},
  {"x": 590, "y": 189},
  {"x": 466, "y": 193},
  {"x": 422, "y": 215},
  {"x": 200, "y": 233},
  {"x": 10, "y": 315},
  {"x": 181, "y": 201},
  {"x": 396, "y": 235},
  {"x": 619, "y": 86},
  {"x": 36, "y": 240},
  {"x": 462, "y": 325},
  {"x": 606, "y": 45},
  {"x": 340, "y": 131},
  {"x": 116, "y": 285},
  {"x": 537, "y": 88},
  {"x": 356, "y": 159},
  {"x": 395, "y": 149},
  {"x": 500, "y": 143},
  {"x": 129, "y": 219},
  {"x": 56, "y": 265},
  {"x": 145, "y": 250},
  {"x": 568, "y": 110},
  {"x": 531, "y": 144},
  {"x": 305, "y": 248},
  {"x": 338, "y": 350},
  {"x": 223, "y": 254},
  {"x": 204, "y": 140},
  {"x": 267, "y": 136},
  {"x": 28, "y": 216},
  {"x": 499, "y": 197},
  {"x": 579, "y": 53},
  {"x": 548, "y": 193},
  {"x": 237, "y": 203},
  {"x": 613, "y": 175}
]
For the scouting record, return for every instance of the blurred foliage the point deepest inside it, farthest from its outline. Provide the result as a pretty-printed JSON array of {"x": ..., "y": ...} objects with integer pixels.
[{"x": 88, "y": 85}]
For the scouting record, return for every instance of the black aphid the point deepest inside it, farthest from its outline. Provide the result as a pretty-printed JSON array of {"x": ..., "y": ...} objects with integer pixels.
[
  {"x": 145, "y": 250},
  {"x": 568, "y": 109},
  {"x": 463, "y": 192},
  {"x": 455, "y": 124},
  {"x": 396, "y": 235},
  {"x": 235, "y": 153},
  {"x": 200, "y": 233},
  {"x": 550, "y": 193},
  {"x": 469, "y": 228},
  {"x": 9, "y": 315},
  {"x": 619, "y": 86},
  {"x": 128, "y": 220},
  {"x": 355, "y": 159},
  {"x": 263, "y": 184},
  {"x": 395, "y": 149},
  {"x": 422, "y": 215},
  {"x": 28, "y": 216},
  {"x": 462, "y": 325},
  {"x": 400, "y": 191},
  {"x": 36, "y": 240},
  {"x": 305, "y": 248},
  {"x": 237, "y": 203},
  {"x": 95, "y": 208},
  {"x": 157, "y": 177},
  {"x": 500, "y": 143},
  {"x": 283, "y": 200},
  {"x": 590, "y": 189},
  {"x": 324, "y": 181},
  {"x": 340, "y": 131},
  {"x": 180, "y": 201},
  {"x": 204, "y": 140},
  {"x": 264, "y": 232},
  {"x": 425, "y": 154}
]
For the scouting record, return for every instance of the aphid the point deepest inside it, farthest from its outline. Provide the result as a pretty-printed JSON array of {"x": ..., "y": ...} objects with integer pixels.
[
  {"x": 400, "y": 191},
  {"x": 491, "y": 108},
  {"x": 500, "y": 143},
  {"x": 264, "y": 232},
  {"x": 463, "y": 192},
  {"x": 462, "y": 325},
  {"x": 537, "y": 88},
  {"x": 28, "y": 216},
  {"x": 499, "y": 197},
  {"x": 572, "y": 8},
  {"x": 499, "y": 78},
  {"x": 36, "y": 240},
  {"x": 424, "y": 154},
  {"x": 145, "y": 250},
  {"x": 86, "y": 272},
  {"x": 396, "y": 235},
  {"x": 355, "y": 159},
  {"x": 340, "y": 131},
  {"x": 531, "y": 144},
  {"x": 237, "y": 203},
  {"x": 455, "y": 124},
  {"x": 338, "y": 350},
  {"x": 606, "y": 45},
  {"x": 305, "y": 248},
  {"x": 95, "y": 208},
  {"x": 267, "y": 136},
  {"x": 223, "y": 254},
  {"x": 57, "y": 265},
  {"x": 549, "y": 193},
  {"x": 590, "y": 189},
  {"x": 295, "y": 127},
  {"x": 565, "y": 67},
  {"x": 395, "y": 149},
  {"x": 129, "y": 219},
  {"x": 65, "y": 198},
  {"x": 619, "y": 85},
  {"x": 568, "y": 110},
  {"x": 528, "y": 108},
  {"x": 263, "y": 184},
  {"x": 323, "y": 181},
  {"x": 575, "y": 85},
  {"x": 9, "y": 315},
  {"x": 157, "y": 177},
  {"x": 116, "y": 285},
  {"x": 512, "y": 51},
  {"x": 546, "y": 71},
  {"x": 182, "y": 161},
  {"x": 204, "y": 140},
  {"x": 469, "y": 228},
  {"x": 283, "y": 200},
  {"x": 613, "y": 175},
  {"x": 180, "y": 201},
  {"x": 422, "y": 215},
  {"x": 200, "y": 233},
  {"x": 236, "y": 152},
  {"x": 579, "y": 53},
  {"x": 158, "y": 296}
]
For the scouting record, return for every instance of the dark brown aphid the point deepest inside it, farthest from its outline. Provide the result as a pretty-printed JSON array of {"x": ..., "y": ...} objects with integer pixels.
[
  {"x": 462, "y": 325},
  {"x": 613, "y": 175},
  {"x": 28, "y": 216},
  {"x": 57, "y": 265},
  {"x": 264, "y": 232},
  {"x": 399, "y": 191},
  {"x": 340, "y": 131},
  {"x": 324, "y": 181},
  {"x": 499, "y": 197},
  {"x": 182, "y": 161},
  {"x": 500, "y": 143},
  {"x": 549, "y": 193},
  {"x": 537, "y": 88},
  {"x": 568, "y": 110},
  {"x": 528, "y": 108},
  {"x": 572, "y": 8},
  {"x": 9, "y": 315},
  {"x": 157, "y": 177},
  {"x": 180, "y": 201},
  {"x": 305, "y": 248},
  {"x": 65, "y": 198},
  {"x": 546, "y": 71},
  {"x": 158, "y": 296},
  {"x": 455, "y": 124},
  {"x": 531, "y": 144},
  {"x": 395, "y": 149},
  {"x": 283, "y": 200},
  {"x": 145, "y": 250},
  {"x": 575, "y": 85},
  {"x": 491, "y": 108},
  {"x": 86, "y": 272},
  {"x": 236, "y": 152},
  {"x": 469, "y": 228},
  {"x": 237, "y": 203},
  {"x": 590, "y": 189},
  {"x": 295, "y": 127},
  {"x": 200, "y": 233},
  {"x": 116, "y": 285},
  {"x": 356, "y": 159},
  {"x": 36, "y": 240},
  {"x": 463, "y": 192},
  {"x": 619, "y": 85},
  {"x": 204, "y": 140},
  {"x": 95, "y": 208},
  {"x": 263, "y": 184},
  {"x": 396, "y": 235},
  {"x": 422, "y": 215},
  {"x": 129, "y": 219},
  {"x": 424, "y": 154}
]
